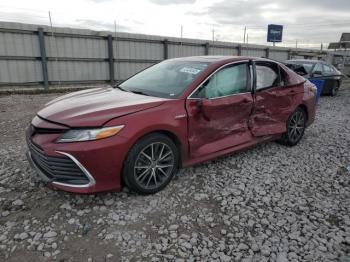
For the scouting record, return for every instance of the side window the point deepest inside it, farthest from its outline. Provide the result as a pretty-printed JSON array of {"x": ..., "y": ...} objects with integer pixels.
[
  {"x": 228, "y": 81},
  {"x": 327, "y": 70},
  {"x": 267, "y": 75},
  {"x": 318, "y": 68}
]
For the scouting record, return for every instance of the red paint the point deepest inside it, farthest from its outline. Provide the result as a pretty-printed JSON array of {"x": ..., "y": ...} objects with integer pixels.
[
  {"x": 272, "y": 108},
  {"x": 212, "y": 128},
  {"x": 218, "y": 124}
]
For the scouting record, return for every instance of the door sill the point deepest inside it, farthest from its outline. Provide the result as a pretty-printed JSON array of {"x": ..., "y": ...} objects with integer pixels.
[{"x": 230, "y": 150}]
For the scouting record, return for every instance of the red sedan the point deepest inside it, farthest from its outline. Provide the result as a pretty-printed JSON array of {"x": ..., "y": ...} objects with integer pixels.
[{"x": 176, "y": 113}]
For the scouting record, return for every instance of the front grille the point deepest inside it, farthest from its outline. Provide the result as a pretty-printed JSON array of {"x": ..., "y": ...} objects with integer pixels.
[{"x": 57, "y": 169}]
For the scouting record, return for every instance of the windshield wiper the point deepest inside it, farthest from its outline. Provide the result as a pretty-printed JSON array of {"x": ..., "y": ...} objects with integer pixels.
[
  {"x": 120, "y": 88},
  {"x": 139, "y": 92}
]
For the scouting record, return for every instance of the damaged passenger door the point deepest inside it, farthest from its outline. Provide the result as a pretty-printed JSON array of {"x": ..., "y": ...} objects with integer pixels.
[
  {"x": 274, "y": 99},
  {"x": 219, "y": 110}
]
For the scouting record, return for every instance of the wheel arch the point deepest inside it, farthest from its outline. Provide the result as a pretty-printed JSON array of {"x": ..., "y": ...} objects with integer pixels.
[{"x": 170, "y": 135}]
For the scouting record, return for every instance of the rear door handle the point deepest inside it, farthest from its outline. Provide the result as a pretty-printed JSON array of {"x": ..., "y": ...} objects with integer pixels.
[{"x": 245, "y": 101}]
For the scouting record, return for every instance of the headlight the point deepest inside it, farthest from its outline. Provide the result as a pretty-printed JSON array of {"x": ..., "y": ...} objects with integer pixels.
[{"x": 77, "y": 135}]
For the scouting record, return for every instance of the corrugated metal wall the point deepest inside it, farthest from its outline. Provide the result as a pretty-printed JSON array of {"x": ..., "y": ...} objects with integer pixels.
[
  {"x": 278, "y": 55},
  {"x": 229, "y": 50},
  {"x": 20, "y": 71},
  {"x": 75, "y": 55},
  {"x": 184, "y": 50},
  {"x": 26, "y": 69},
  {"x": 254, "y": 52}
]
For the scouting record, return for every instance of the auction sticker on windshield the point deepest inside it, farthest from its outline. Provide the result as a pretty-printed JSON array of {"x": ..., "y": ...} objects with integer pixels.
[{"x": 190, "y": 70}]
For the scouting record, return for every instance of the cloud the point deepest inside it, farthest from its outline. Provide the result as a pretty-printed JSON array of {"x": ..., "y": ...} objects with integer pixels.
[
  {"x": 101, "y": 25},
  {"x": 313, "y": 21},
  {"x": 173, "y": 2},
  {"x": 329, "y": 5}
]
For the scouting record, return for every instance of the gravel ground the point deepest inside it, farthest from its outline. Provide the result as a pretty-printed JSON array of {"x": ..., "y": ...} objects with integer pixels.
[{"x": 269, "y": 203}]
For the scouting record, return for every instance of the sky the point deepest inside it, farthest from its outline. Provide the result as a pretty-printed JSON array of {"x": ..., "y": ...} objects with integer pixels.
[{"x": 306, "y": 22}]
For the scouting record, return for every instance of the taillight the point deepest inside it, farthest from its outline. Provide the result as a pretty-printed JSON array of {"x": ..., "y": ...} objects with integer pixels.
[{"x": 313, "y": 89}]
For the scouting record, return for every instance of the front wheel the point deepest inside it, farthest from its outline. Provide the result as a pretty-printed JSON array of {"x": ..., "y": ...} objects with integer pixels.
[
  {"x": 151, "y": 164},
  {"x": 296, "y": 125}
]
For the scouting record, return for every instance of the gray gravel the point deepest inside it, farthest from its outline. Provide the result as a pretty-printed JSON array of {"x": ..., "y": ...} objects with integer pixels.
[{"x": 270, "y": 203}]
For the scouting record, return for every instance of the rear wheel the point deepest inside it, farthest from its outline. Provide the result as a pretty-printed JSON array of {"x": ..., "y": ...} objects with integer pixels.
[
  {"x": 296, "y": 125},
  {"x": 334, "y": 89},
  {"x": 151, "y": 164}
]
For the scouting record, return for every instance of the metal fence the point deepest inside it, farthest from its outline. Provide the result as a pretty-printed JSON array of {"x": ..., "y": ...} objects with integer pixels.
[{"x": 40, "y": 55}]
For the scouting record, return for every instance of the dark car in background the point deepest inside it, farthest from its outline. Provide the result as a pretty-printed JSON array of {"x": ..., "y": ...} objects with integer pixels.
[{"x": 318, "y": 70}]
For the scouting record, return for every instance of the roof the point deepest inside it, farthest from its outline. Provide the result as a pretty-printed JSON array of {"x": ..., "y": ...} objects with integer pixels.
[
  {"x": 216, "y": 59},
  {"x": 306, "y": 60}
]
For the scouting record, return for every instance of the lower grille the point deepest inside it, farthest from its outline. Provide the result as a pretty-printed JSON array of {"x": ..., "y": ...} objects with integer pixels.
[{"x": 58, "y": 169}]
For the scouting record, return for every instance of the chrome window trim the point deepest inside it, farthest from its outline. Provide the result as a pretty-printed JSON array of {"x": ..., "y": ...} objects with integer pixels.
[
  {"x": 92, "y": 181},
  {"x": 231, "y": 63},
  {"x": 225, "y": 96}
]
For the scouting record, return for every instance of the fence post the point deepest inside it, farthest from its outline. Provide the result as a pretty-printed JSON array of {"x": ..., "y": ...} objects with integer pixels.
[
  {"x": 289, "y": 54},
  {"x": 110, "y": 58},
  {"x": 43, "y": 57},
  {"x": 239, "y": 50},
  {"x": 267, "y": 52},
  {"x": 165, "y": 49},
  {"x": 206, "y": 46}
]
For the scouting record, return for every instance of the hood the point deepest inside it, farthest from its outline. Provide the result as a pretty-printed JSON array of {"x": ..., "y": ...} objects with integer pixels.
[{"x": 94, "y": 107}]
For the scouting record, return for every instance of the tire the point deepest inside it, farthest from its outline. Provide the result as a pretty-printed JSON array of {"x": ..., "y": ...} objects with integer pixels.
[
  {"x": 334, "y": 90},
  {"x": 296, "y": 125},
  {"x": 151, "y": 164}
]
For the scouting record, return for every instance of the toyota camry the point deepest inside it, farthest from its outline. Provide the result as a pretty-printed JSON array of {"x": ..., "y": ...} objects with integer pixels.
[{"x": 174, "y": 114}]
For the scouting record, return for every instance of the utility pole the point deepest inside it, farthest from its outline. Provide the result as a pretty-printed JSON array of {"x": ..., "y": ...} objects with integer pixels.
[
  {"x": 321, "y": 46},
  {"x": 116, "y": 51},
  {"x": 53, "y": 39},
  {"x": 213, "y": 35},
  {"x": 245, "y": 31},
  {"x": 181, "y": 35}
]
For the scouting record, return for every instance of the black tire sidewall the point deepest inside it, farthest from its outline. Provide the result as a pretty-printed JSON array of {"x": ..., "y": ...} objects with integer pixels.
[
  {"x": 128, "y": 170},
  {"x": 335, "y": 89},
  {"x": 288, "y": 141}
]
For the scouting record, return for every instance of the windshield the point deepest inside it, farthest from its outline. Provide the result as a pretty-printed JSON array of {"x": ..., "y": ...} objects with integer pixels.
[
  {"x": 307, "y": 65},
  {"x": 167, "y": 79}
]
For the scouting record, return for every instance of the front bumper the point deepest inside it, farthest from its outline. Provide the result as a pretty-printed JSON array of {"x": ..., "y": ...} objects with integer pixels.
[
  {"x": 100, "y": 162},
  {"x": 40, "y": 174},
  {"x": 49, "y": 179}
]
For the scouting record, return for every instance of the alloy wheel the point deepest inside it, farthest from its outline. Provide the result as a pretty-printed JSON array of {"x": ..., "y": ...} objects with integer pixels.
[
  {"x": 154, "y": 165},
  {"x": 296, "y": 126}
]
